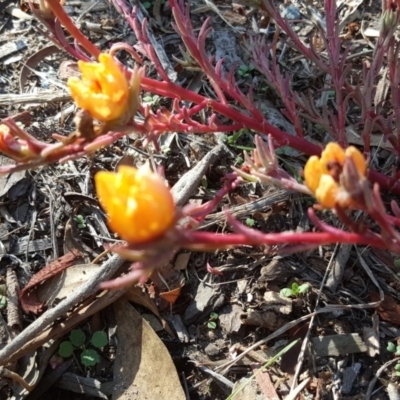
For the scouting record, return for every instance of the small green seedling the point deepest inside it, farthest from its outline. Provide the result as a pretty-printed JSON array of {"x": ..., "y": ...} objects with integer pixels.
[
  {"x": 239, "y": 160},
  {"x": 234, "y": 138},
  {"x": 397, "y": 266},
  {"x": 212, "y": 321},
  {"x": 150, "y": 4},
  {"x": 80, "y": 221},
  {"x": 78, "y": 341},
  {"x": 151, "y": 99},
  {"x": 245, "y": 70},
  {"x": 250, "y": 222},
  {"x": 89, "y": 357},
  {"x": 3, "y": 297},
  {"x": 296, "y": 290},
  {"x": 392, "y": 348}
]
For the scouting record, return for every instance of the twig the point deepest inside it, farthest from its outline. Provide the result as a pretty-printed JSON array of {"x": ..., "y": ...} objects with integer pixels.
[
  {"x": 106, "y": 271},
  {"x": 300, "y": 358},
  {"x": 377, "y": 375},
  {"x": 40, "y": 97},
  {"x": 225, "y": 367},
  {"x": 182, "y": 190},
  {"x": 218, "y": 377}
]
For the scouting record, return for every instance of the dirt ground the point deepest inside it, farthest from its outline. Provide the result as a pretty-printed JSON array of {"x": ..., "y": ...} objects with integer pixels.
[{"x": 225, "y": 301}]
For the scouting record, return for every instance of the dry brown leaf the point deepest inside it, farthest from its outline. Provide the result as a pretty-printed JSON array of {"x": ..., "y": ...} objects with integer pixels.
[
  {"x": 62, "y": 286},
  {"x": 388, "y": 310},
  {"x": 265, "y": 382},
  {"x": 172, "y": 295},
  {"x": 136, "y": 295},
  {"x": 143, "y": 368},
  {"x": 28, "y": 298},
  {"x": 182, "y": 261}
]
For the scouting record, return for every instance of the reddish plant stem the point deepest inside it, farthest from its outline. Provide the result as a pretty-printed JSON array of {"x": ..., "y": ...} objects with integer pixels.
[
  {"x": 171, "y": 90},
  {"x": 69, "y": 25},
  {"x": 317, "y": 238}
]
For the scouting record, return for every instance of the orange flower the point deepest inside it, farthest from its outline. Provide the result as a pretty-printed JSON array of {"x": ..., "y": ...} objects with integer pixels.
[
  {"x": 104, "y": 91},
  {"x": 138, "y": 202},
  {"x": 323, "y": 175},
  {"x": 16, "y": 149}
]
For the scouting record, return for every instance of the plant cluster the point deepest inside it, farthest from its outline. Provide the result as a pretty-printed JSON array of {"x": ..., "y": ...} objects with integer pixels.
[
  {"x": 295, "y": 290},
  {"x": 78, "y": 342},
  {"x": 338, "y": 176}
]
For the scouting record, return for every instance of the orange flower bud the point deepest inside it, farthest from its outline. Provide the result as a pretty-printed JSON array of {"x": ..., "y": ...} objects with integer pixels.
[
  {"x": 16, "y": 149},
  {"x": 104, "y": 91},
  {"x": 138, "y": 202},
  {"x": 323, "y": 175}
]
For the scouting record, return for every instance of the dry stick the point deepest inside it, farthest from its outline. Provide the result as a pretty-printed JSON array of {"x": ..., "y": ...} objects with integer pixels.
[
  {"x": 292, "y": 324},
  {"x": 371, "y": 276},
  {"x": 185, "y": 187},
  {"x": 377, "y": 375},
  {"x": 300, "y": 358},
  {"x": 58, "y": 330},
  {"x": 106, "y": 271},
  {"x": 182, "y": 190}
]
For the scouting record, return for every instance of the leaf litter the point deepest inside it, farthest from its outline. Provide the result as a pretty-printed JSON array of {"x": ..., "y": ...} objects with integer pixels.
[{"x": 38, "y": 228}]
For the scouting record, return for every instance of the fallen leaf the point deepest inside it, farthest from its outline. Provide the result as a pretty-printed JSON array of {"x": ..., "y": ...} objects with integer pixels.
[
  {"x": 65, "y": 284},
  {"x": 172, "y": 295},
  {"x": 388, "y": 310},
  {"x": 264, "y": 380},
  {"x": 143, "y": 368},
  {"x": 182, "y": 260},
  {"x": 136, "y": 295},
  {"x": 28, "y": 298}
]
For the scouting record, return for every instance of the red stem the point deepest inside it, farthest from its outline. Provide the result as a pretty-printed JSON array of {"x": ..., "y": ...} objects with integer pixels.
[
  {"x": 69, "y": 25},
  {"x": 171, "y": 90},
  {"x": 318, "y": 238}
]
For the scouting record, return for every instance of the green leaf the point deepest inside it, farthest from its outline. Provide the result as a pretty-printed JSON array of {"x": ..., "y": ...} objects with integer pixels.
[
  {"x": 295, "y": 288},
  {"x": 398, "y": 351},
  {"x": 99, "y": 339},
  {"x": 397, "y": 367},
  {"x": 3, "y": 302},
  {"x": 77, "y": 337},
  {"x": 66, "y": 349},
  {"x": 397, "y": 263},
  {"x": 214, "y": 316},
  {"x": 391, "y": 347},
  {"x": 211, "y": 325},
  {"x": 286, "y": 292},
  {"x": 146, "y": 4},
  {"x": 89, "y": 357},
  {"x": 303, "y": 288},
  {"x": 233, "y": 138},
  {"x": 239, "y": 160},
  {"x": 250, "y": 222}
]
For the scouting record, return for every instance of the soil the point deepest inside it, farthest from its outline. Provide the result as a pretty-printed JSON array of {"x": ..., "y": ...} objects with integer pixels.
[{"x": 47, "y": 211}]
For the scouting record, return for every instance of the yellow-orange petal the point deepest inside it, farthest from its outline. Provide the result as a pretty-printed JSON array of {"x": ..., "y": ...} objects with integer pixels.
[
  {"x": 139, "y": 205},
  {"x": 312, "y": 173},
  {"x": 103, "y": 90},
  {"x": 326, "y": 192},
  {"x": 358, "y": 159},
  {"x": 332, "y": 153}
]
